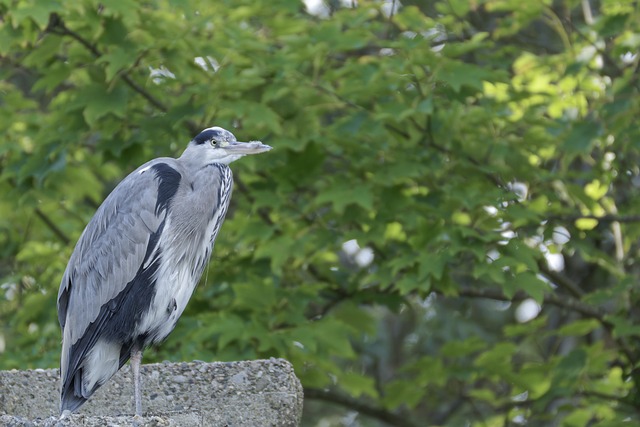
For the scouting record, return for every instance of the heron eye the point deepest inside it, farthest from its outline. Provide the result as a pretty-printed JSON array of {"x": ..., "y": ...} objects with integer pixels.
[{"x": 214, "y": 142}]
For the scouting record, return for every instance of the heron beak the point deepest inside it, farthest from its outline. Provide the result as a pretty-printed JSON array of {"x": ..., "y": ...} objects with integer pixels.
[{"x": 252, "y": 147}]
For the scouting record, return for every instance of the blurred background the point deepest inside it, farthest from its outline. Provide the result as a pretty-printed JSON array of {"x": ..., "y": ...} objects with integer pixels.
[{"x": 445, "y": 234}]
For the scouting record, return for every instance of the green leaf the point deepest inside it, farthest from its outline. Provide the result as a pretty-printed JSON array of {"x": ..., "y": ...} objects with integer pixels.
[
  {"x": 99, "y": 102},
  {"x": 497, "y": 359},
  {"x": 596, "y": 190},
  {"x": 586, "y": 223},
  {"x": 463, "y": 348},
  {"x": 579, "y": 327},
  {"x": 333, "y": 338},
  {"x": 37, "y": 10},
  {"x": 261, "y": 116},
  {"x": 356, "y": 318},
  {"x": 341, "y": 197},
  {"x": 578, "y": 417},
  {"x": 581, "y": 137},
  {"x": 458, "y": 74},
  {"x": 411, "y": 18},
  {"x": 253, "y": 297},
  {"x": 394, "y": 231},
  {"x": 229, "y": 328},
  {"x": 399, "y": 393},
  {"x": 116, "y": 60},
  {"x": 358, "y": 384},
  {"x": 623, "y": 327},
  {"x": 610, "y": 26},
  {"x": 569, "y": 369},
  {"x": 532, "y": 285},
  {"x": 433, "y": 266}
]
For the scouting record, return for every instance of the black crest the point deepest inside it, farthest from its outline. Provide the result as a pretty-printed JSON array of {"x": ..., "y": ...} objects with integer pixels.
[{"x": 206, "y": 135}]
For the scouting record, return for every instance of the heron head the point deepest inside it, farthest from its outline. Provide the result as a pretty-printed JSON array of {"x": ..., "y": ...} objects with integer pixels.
[{"x": 218, "y": 145}]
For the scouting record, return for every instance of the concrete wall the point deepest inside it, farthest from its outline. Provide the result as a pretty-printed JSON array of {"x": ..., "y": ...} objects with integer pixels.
[{"x": 255, "y": 393}]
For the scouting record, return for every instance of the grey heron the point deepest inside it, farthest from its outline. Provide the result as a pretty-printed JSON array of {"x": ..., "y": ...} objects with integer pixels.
[{"x": 139, "y": 259}]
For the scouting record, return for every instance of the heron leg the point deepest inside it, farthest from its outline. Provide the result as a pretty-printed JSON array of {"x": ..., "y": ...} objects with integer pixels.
[{"x": 136, "y": 360}]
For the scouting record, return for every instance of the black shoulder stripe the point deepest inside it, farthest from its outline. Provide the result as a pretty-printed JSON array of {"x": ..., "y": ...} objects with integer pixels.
[
  {"x": 169, "y": 180},
  {"x": 63, "y": 304}
]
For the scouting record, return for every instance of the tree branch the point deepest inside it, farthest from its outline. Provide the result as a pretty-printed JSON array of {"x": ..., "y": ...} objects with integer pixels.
[
  {"x": 52, "y": 226},
  {"x": 57, "y": 26},
  {"x": 602, "y": 218},
  {"x": 560, "y": 280},
  {"x": 379, "y": 413},
  {"x": 562, "y": 301}
]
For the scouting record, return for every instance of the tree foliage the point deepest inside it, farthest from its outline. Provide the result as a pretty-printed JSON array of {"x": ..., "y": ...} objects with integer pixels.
[{"x": 446, "y": 232}]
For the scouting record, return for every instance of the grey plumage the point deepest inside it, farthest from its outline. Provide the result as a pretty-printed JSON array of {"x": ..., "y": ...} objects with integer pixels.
[{"x": 139, "y": 259}]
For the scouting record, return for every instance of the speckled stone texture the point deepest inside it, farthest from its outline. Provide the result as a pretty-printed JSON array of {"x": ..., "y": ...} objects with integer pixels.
[{"x": 254, "y": 393}]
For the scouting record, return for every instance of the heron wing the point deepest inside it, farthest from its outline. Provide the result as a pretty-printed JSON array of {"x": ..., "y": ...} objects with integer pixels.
[{"x": 115, "y": 250}]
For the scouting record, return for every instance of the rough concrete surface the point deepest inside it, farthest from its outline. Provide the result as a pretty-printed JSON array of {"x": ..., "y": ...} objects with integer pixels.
[{"x": 255, "y": 393}]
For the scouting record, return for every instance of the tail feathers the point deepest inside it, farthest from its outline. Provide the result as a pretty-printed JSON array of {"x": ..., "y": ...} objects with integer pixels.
[
  {"x": 97, "y": 367},
  {"x": 71, "y": 397}
]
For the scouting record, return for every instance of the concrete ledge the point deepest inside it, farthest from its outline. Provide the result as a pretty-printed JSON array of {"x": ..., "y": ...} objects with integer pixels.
[
  {"x": 254, "y": 393},
  {"x": 76, "y": 420}
]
